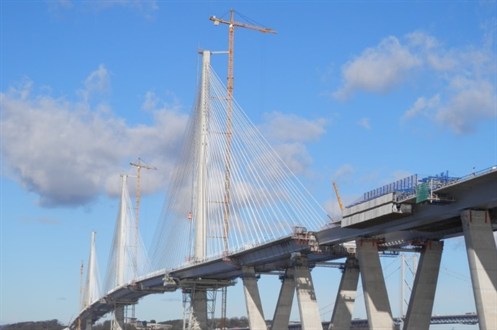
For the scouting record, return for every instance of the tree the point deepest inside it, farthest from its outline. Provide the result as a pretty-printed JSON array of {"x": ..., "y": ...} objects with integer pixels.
[{"x": 40, "y": 325}]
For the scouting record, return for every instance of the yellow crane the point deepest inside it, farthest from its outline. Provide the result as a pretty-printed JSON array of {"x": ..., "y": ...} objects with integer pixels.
[
  {"x": 139, "y": 165},
  {"x": 338, "y": 195}
]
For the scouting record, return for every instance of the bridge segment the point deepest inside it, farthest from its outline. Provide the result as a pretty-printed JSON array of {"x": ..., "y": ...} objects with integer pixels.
[
  {"x": 382, "y": 222},
  {"x": 425, "y": 226}
]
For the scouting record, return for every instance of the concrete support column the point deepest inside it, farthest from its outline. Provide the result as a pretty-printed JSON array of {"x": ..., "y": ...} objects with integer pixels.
[
  {"x": 198, "y": 318},
  {"x": 482, "y": 256},
  {"x": 306, "y": 297},
  {"x": 118, "y": 320},
  {"x": 281, "y": 317},
  {"x": 344, "y": 303},
  {"x": 423, "y": 291},
  {"x": 373, "y": 284},
  {"x": 252, "y": 299},
  {"x": 88, "y": 324}
]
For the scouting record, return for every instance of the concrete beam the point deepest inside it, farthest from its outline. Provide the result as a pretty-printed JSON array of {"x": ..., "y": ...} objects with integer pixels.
[
  {"x": 306, "y": 296},
  {"x": 375, "y": 292},
  {"x": 283, "y": 309},
  {"x": 252, "y": 299},
  {"x": 482, "y": 255},
  {"x": 425, "y": 284},
  {"x": 344, "y": 303}
]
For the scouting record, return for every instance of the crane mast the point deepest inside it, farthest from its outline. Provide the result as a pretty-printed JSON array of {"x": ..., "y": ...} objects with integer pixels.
[
  {"x": 335, "y": 187},
  {"x": 139, "y": 165},
  {"x": 232, "y": 24}
]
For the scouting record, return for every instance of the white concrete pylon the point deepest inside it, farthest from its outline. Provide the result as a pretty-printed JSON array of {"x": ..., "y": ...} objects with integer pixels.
[
  {"x": 344, "y": 303},
  {"x": 121, "y": 235},
  {"x": 425, "y": 283},
  {"x": 92, "y": 289},
  {"x": 373, "y": 284},
  {"x": 200, "y": 213},
  {"x": 252, "y": 299},
  {"x": 482, "y": 258}
]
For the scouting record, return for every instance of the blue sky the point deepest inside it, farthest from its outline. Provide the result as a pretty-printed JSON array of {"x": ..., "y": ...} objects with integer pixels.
[{"x": 361, "y": 92}]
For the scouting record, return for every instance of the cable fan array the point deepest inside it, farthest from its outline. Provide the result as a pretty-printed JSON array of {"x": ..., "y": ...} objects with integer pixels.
[
  {"x": 128, "y": 258},
  {"x": 251, "y": 195}
]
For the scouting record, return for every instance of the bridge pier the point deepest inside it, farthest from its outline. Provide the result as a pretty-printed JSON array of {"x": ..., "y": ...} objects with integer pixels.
[
  {"x": 118, "y": 320},
  {"x": 373, "y": 284},
  {"x": 482, "y": 255},
  {"x": 425, "y": 283},
  {"x": 306, "y": 296},
  {"x": 198, "y": 316},
  {"x": 283, "y": 309},
  {"x": 88, "y": 324},
  {"x": 344, "y": 303},
  {"x": 255, "y": 313}
]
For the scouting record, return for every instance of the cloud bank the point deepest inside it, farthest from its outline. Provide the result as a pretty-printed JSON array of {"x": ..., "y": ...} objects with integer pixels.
[
  {"x": 464, "y": 79},
  {"x": 70, "y": 152},
  {"x": 288, "y": 135}
]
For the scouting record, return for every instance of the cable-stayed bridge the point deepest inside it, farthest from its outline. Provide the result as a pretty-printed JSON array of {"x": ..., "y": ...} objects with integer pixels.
[{"x": 236, "y": 211}]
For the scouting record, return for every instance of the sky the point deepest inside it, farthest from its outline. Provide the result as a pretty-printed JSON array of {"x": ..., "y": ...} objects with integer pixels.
[{"x": 358, "y": 92}]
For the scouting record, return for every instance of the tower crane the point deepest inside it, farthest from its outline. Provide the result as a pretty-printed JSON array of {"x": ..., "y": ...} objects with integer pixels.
[
  {"x": 232, "y": 24},
  {"x": 139, "y": 165}
]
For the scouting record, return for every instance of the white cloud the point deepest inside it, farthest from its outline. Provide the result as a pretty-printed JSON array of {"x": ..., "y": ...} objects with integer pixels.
[
  {"x": 422, "y": 106},
  {"x": 343, "y": 171},
  {"x": 364, "y": 123},
  {"x": 68, "y": 154},
  {"x": 471, "y": 101},
  {"x": 292, "y": 128},
  {"x": 97, "y": 82},
  {"x": 422, "y": 40},
  {"x": 377, "y": 69},
  {"x": 465, "y": 91},
  {"x": 289, "y": 133},
  {"x": 295, "y": 156}
]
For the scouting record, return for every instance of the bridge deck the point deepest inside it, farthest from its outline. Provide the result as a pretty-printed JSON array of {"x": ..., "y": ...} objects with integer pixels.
[{"x": 427, "y": 221}]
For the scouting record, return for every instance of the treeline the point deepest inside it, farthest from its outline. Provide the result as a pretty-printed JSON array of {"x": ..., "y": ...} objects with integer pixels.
[
  {"x": 234, "y": 322},
  {"x": 40, "y": 325}
]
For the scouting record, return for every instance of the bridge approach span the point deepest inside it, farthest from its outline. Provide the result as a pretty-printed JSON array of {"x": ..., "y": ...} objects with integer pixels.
[{"x": 429, "y": 220}]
